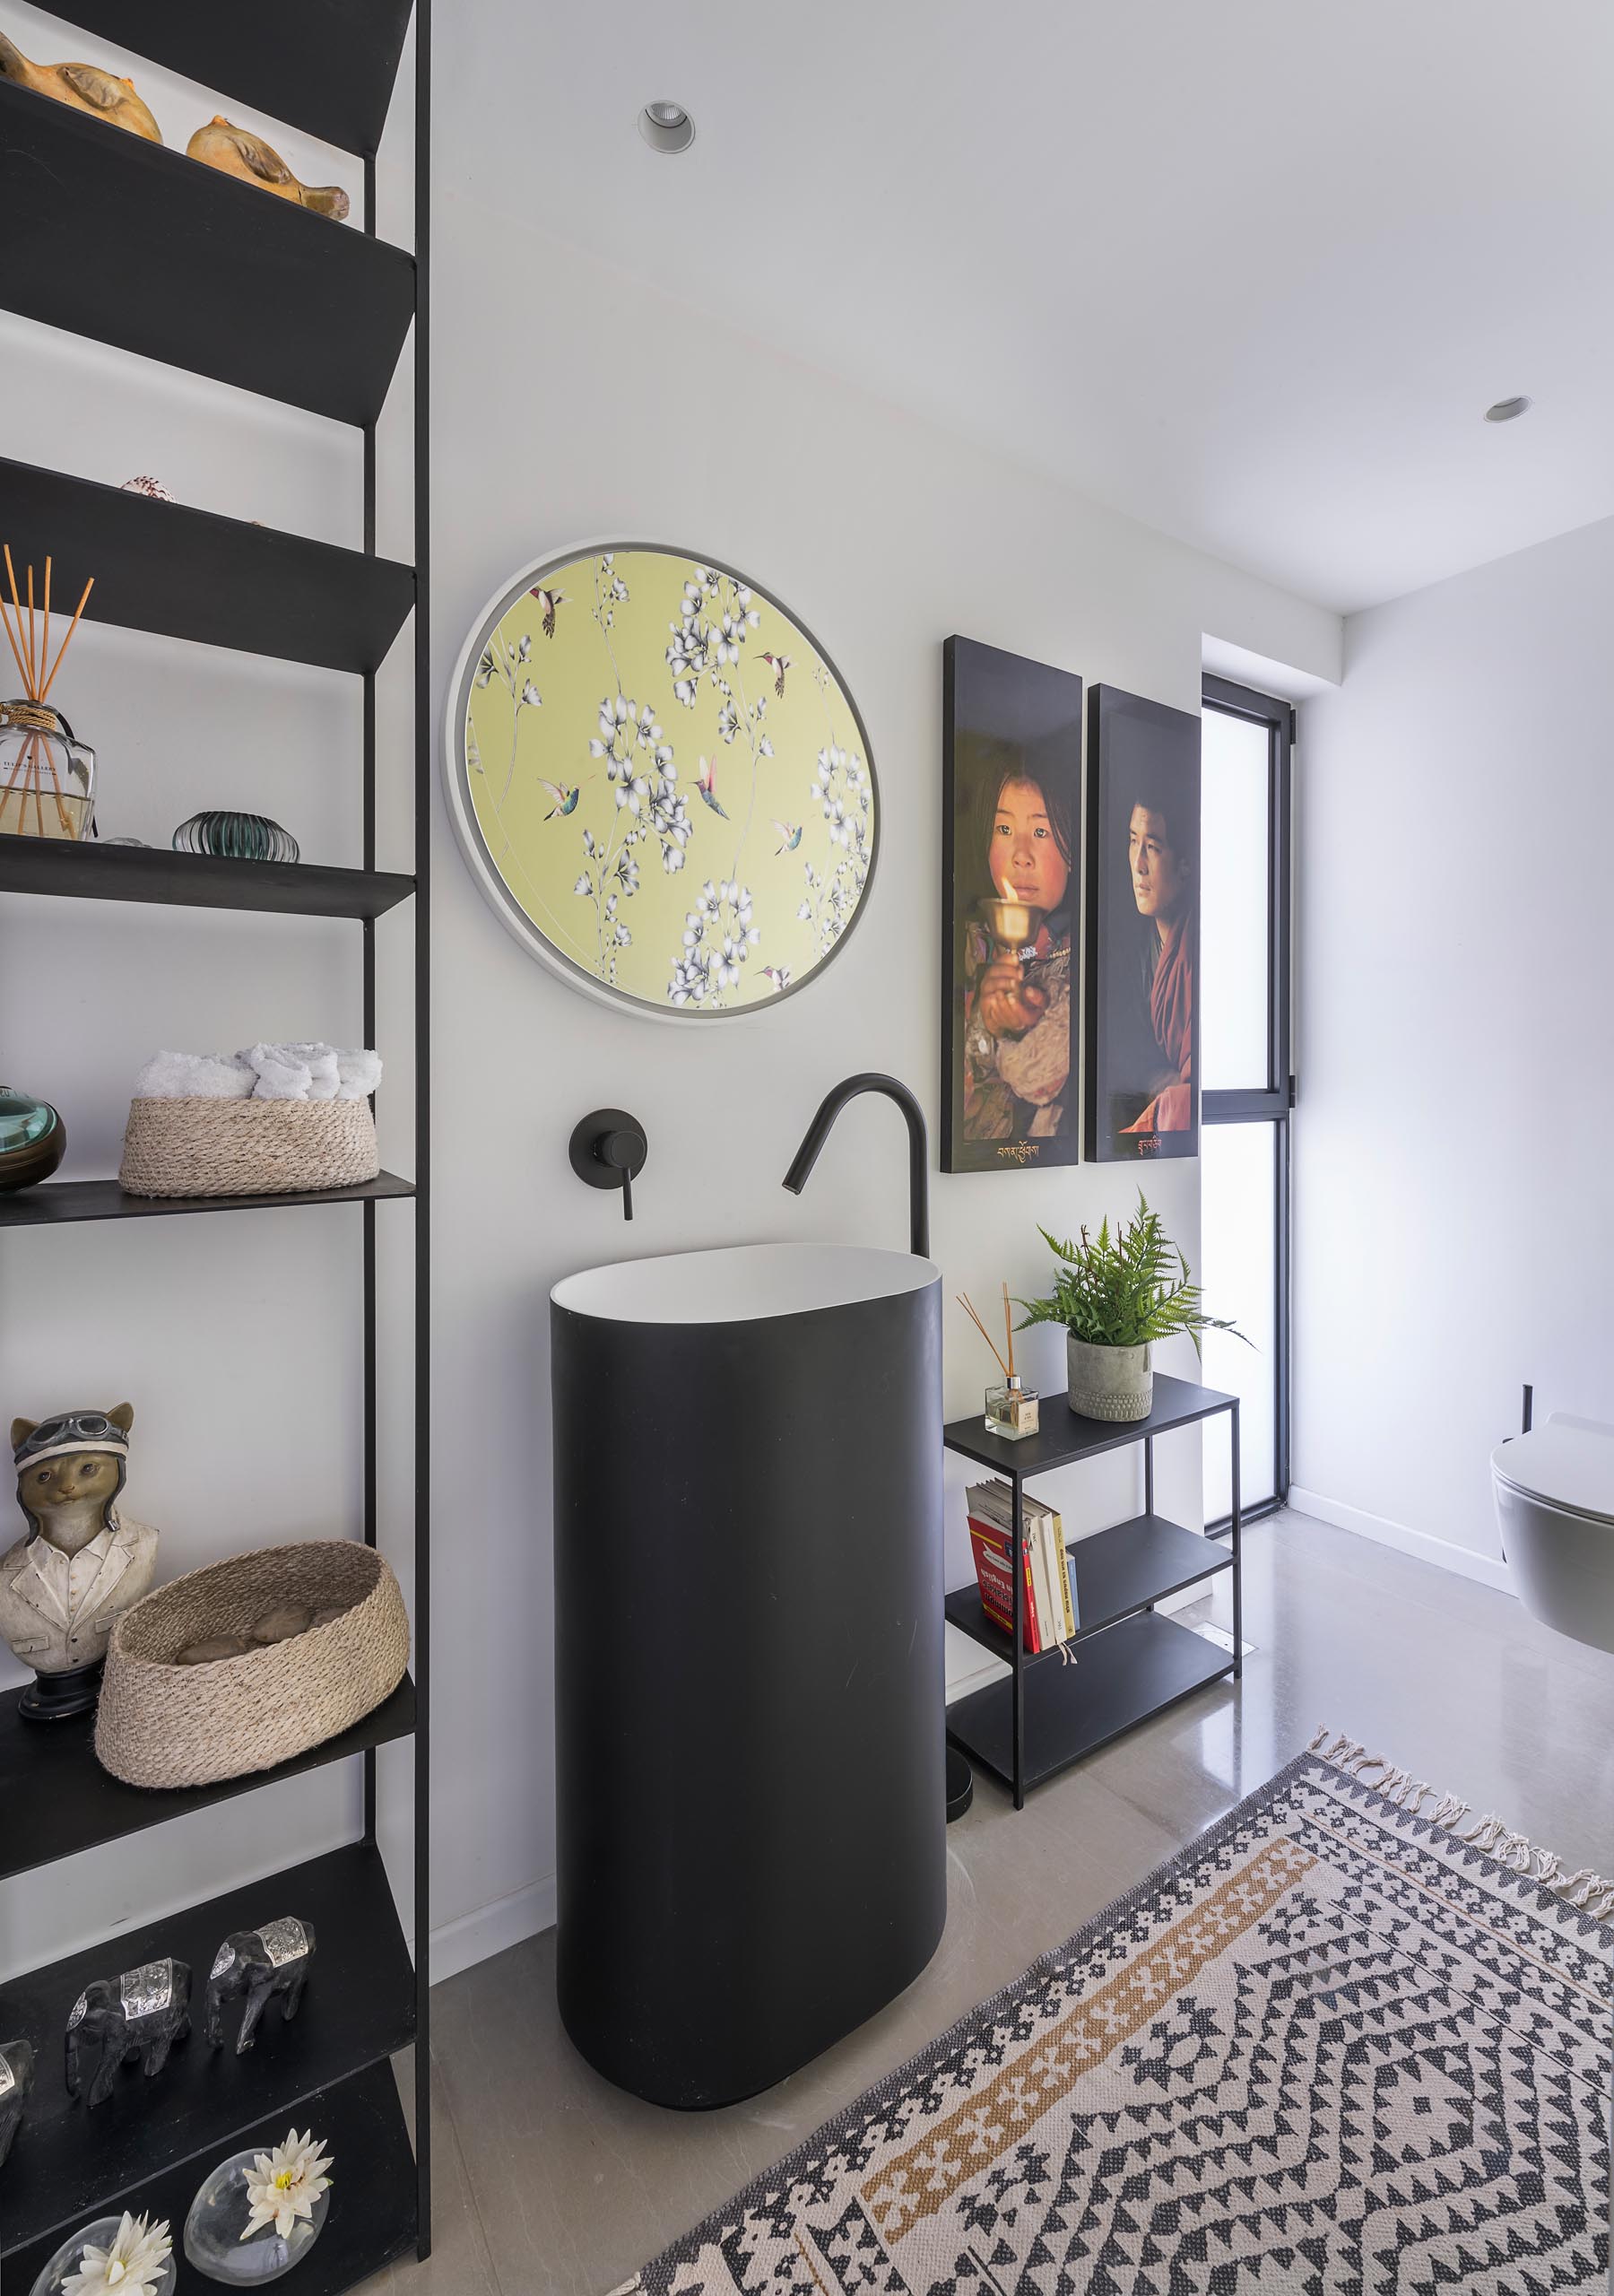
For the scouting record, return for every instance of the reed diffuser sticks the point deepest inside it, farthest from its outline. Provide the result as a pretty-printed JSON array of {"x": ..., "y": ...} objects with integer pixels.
[
  {"x": 30, "y": 643},
  {"x": 964, "y": 1301}
]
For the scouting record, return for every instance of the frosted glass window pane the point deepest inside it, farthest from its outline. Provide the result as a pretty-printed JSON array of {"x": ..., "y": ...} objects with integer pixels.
[
  {"x": 1237, "y": 1177},
  {"x": 1233, "y": 905}
]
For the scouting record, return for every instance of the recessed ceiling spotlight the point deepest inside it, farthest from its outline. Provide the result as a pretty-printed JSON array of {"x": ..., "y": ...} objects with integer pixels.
[
  {"x": 666, "y": 126},
  {"x": 1507, "y": 410}
]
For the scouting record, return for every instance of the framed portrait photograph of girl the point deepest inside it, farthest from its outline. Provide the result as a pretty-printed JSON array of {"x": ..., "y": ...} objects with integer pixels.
[
  {"x": 1011, "y": 882},
  {"x": 1142, "y": 928}
]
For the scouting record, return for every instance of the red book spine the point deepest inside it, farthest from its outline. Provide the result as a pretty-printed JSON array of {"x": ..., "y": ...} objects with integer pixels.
[{"x": 991, "y": 1550}]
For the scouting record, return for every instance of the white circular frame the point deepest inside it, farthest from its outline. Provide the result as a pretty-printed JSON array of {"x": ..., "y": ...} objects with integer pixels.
[{"x": 467, "y": 830}]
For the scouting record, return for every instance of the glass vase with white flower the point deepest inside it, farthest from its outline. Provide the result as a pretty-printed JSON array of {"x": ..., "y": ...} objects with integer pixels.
[{"x": 259, "y": 2213}]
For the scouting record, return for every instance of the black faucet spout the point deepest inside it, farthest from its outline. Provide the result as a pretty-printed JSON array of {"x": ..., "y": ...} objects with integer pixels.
[{"x": 818, "y": 1132}]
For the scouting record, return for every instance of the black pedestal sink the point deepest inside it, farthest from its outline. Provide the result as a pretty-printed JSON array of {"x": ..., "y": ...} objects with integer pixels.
[{"x": 748, "y": 1661}]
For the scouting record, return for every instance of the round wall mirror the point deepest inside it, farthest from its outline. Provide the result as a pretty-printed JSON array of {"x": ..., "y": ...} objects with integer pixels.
[{"x": 660, "y": 782}]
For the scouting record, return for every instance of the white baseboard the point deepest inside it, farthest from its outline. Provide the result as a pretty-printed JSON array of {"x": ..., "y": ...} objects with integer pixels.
[
  {"x": 1488, "y": 1569},
  {"x": 476, "y": 1937}
]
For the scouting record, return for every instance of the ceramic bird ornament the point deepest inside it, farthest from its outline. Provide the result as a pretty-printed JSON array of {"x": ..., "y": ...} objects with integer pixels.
[
  {"x": 778, "y": 664},
  {"x": 705, "y": 781},
  {"x": 235, "y": 152},
  {"x": 566, "y": 800},
  {"x": 85, "y": 86},
  {"x": 789, "y": 838}
]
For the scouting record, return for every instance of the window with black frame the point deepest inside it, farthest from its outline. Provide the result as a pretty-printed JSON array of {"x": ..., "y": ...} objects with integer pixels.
[{"x": 1247, "y": 1088}]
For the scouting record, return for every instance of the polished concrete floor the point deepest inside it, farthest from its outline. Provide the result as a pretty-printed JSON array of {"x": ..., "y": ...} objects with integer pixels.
[{"x": 548, "y": 2179}]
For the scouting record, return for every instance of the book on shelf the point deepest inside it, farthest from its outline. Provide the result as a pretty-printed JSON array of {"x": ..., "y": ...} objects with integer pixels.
[{"x": 1050, "y": 1611}]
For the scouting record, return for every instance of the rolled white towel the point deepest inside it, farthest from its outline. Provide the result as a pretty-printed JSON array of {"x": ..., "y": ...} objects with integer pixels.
[
  {"x": 196, "y": 1076},
  {"x": 320, "y": 1061},
  {"x": 281, "y": 1075},
  {"x": 359, "y": 1074}
]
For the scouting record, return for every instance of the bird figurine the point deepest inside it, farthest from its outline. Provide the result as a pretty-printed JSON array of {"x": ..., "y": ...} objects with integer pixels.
[
  {"x": 234, "y": 152},
  {"x": 566, "y": 800},
  {"x": 705, "y": 779},
  {"x": 548, "y": 603},
  {"x": 779, "y": 975},
  {"x": 792, "y": 837},
  {"x": 778, "y": 664},
  {"x": 85, "y": 86}
]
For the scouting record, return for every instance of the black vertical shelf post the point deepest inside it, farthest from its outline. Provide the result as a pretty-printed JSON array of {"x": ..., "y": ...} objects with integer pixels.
[
  {"x": 422, "y": 1087},
  {"x": 160, "y": 569}
]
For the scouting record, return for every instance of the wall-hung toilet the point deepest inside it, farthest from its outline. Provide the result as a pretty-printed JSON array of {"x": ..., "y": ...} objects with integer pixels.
[{"x": 1555, "y": 1507}]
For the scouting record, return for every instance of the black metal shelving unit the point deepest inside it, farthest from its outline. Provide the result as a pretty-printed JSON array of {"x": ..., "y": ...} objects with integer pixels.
[
  {"x": 141, "y": 247},
  {"x": 1130, "y": 1662}
]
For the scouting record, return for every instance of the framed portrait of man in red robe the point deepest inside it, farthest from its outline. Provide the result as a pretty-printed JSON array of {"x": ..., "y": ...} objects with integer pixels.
[{"x": 1143, "y": 929}]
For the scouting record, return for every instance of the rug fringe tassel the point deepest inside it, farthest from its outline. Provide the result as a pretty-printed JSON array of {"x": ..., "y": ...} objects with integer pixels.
[{"x": 1586, "y": 1891}]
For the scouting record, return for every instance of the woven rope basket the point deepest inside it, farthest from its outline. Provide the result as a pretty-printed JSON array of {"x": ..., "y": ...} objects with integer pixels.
[
  {"x": 165, "y": 1724},
  {"x": 246, "y": 1147}
]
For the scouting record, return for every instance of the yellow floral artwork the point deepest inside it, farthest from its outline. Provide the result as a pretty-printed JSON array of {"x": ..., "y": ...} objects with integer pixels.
[{"x": 663, "y": 783}]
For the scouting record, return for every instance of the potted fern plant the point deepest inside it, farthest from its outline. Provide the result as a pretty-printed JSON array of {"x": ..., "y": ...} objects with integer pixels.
[{"x": 1115, "y": 1295}]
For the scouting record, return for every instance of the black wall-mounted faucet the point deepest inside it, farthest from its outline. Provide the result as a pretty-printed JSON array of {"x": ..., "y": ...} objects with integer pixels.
[
  {"x": 818, "y": 1132},
  {"x": 608, "y": 1150}
]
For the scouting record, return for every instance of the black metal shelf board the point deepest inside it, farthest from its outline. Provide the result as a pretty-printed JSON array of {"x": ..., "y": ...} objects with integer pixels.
[
  {"x": 93, "y": 871},
  {"x": 112, "y": 237},
  {"x": 56, "y": 1799},
  {"x": 1113, "y": 1574},
  {"x": 185, "y": 573},
  {"x": 1066, "y": 1436},
  {"x": 372, "y": 2219},
  {"x": 69, "y": 2163},
  {"x": 58, "y": 1202},
  {"x": 1122, "y": 1677},
  {"x": 327, "y": 66}
]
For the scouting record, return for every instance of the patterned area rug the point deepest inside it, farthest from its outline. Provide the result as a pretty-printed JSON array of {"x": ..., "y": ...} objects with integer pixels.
[{"x": 1343, "y": 2044}]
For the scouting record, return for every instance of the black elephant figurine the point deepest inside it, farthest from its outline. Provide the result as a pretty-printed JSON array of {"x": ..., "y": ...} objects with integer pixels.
[
  {"x": 116, "y": 2019},
  {"x": 259, "y": 1962},
  {"x": 16, "y": 2079}
]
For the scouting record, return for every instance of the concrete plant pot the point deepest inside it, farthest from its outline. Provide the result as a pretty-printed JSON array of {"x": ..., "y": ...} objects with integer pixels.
[{"x": 1114, "y": 1383}]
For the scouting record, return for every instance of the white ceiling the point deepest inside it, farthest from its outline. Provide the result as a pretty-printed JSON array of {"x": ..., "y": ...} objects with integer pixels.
[{"x": 1249, "y": 270}]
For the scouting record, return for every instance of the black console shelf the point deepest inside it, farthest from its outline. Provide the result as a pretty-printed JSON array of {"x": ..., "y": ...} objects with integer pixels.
[
  {"x": 182, "y": 573},
  {"x": 152, "y": 252},
  {"x": 170, "y": 879},
  {"x": 363, "y": 2122},
  {"x": 58, "y": 1800},
  {"x": 357, "y": 2010},
  {"x": 1129, "y": 1662},
  {"x": 261, "y": 56},
  {"x": 58, "y": 1204},
  {"x": 138, "y": 246}
]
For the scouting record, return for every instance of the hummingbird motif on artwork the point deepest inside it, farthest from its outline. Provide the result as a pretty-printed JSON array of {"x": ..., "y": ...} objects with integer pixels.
[
  {"x": 566, "y": 800},
  {"x": 705, "y": 779},
  {"x": 779, "y": 975},
  {"x": 792, "y": 837},
  {"x": 548, "y": 603},
  {"x": 778, "y": 664}
]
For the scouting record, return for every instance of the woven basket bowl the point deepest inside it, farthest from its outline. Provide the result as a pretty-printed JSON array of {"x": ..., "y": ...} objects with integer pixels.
[
  {"x": 165, "y": 1724},
  {"x": 246, "y": 1147}
]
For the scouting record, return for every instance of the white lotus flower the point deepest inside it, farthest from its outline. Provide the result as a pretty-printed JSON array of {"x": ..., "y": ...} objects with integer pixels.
[
  {"x": 283, "y": 2185},
  {"x": 133, "y": 2265}
]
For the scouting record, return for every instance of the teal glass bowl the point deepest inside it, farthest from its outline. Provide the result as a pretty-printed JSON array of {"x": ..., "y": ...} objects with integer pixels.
[
  {"x": 237, "y": 836},
  {"x": 33, "y": 1139}
]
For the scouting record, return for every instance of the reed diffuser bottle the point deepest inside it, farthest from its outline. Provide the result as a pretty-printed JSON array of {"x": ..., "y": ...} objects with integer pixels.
[
  {"x": 46, "y": 776},
  {"x": 1011, "y": 1408}
]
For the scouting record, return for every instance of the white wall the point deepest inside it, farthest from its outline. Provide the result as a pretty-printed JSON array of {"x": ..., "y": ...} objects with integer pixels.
[
  {"x": 1454, "y": 1220},
  {"x": 571, "y": 403}
]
